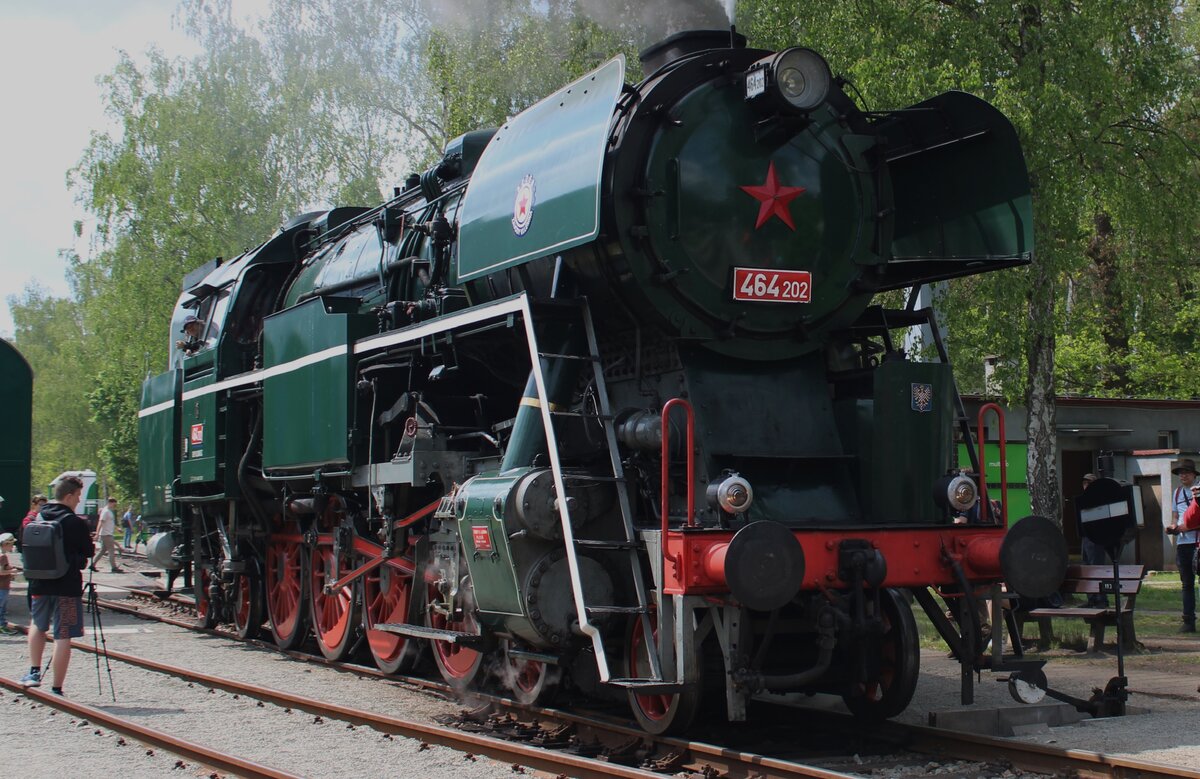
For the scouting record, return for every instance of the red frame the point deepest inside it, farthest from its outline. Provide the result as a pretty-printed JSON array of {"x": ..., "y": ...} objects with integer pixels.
[{"x": 694, "y": 557}]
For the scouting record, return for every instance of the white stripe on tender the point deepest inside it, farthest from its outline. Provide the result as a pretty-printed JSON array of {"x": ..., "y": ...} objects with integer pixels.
[{"x": 442, "y": 324}]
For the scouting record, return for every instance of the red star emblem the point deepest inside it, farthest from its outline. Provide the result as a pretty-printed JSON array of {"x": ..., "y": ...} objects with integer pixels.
[{"x": 773, "y": 199}]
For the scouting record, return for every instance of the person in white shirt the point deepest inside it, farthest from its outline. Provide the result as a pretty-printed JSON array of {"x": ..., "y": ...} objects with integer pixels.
[
  {"x": 1185, "y": 541},
  {"x": 105, "y": 538}
]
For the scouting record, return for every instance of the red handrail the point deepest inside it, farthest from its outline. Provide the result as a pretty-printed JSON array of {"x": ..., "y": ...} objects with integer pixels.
[
  {"x": 1001, "y": 439},
  {"x": 666, "y": 462}
]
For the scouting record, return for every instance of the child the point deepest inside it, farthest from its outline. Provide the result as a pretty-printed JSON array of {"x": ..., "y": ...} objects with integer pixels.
[{"x": 7, "y": 542}]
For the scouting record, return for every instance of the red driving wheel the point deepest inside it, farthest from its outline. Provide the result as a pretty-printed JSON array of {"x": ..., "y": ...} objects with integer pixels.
[
  {"x": 657, "y": 713},
  {"x": 387, "y": 598},
  {"x": 459, "y": 665},
  {"x": 333, "y": 613},
  {"x": 285, "y": 589},
  {"x": 247, "y": 605}
]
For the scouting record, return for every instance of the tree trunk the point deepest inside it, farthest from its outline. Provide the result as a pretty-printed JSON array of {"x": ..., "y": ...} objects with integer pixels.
[
  {"x": 1044, "y": 492},
  {"x": 1102, "y": 251}
]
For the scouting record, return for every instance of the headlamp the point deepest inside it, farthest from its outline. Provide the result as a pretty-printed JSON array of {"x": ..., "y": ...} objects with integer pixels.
[
  {"x": 795, "y": 80},
  {"x": 961, "y": 493},
  {"x": 956, "y": 492},
  {"x": 731, "y": 494}
]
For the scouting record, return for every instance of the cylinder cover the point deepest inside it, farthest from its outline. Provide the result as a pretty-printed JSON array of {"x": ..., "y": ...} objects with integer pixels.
[{"x": 547, "y": 592}]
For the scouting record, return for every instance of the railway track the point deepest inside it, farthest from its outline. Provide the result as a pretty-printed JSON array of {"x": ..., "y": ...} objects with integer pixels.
[
  {"x": 892, "y": 748},
  {"x": 213, "y": 758}
]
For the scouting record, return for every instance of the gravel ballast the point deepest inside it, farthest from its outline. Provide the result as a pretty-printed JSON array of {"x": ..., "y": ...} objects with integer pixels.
[{"x": 51, "y": 745}]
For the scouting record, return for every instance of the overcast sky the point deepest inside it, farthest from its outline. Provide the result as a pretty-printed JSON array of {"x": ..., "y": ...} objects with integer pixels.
[{"x": 51, "y": 52}]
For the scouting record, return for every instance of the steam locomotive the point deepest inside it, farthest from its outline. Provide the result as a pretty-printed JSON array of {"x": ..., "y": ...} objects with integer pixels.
[{"x": 606, "y": 399}]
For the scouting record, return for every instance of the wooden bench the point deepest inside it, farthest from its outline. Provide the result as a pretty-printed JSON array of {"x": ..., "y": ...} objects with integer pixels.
[{"x": 1092, "y": 580}]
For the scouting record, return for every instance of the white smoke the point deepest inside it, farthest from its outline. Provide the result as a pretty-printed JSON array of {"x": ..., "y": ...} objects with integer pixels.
[{"x": 646, "y": 20}]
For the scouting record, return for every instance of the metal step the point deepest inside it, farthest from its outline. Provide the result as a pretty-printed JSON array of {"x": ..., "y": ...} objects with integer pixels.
[
  {"x": 648, "y": 686},
  {"x": 591, "y": 477},
  {"x": 614, "y": 545},
  {"x": 601, "y": 417},
  {"x": 617, "y": 609},
  {"x": 420, "y": 631},
  {"x": 556, "y": 356}
]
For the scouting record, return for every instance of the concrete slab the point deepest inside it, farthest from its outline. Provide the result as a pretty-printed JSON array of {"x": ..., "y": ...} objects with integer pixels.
[{"x": 1006, "y": 720}]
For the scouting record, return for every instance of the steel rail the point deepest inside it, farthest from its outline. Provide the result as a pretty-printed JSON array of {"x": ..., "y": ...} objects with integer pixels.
[
  {"x": 498, "y": 749},
  {"x": 921, "y": 739},
  {"x": 1038, "y": 757},
  {"x": 189, "y": 749},
  {"x": 676, "y": 752}
]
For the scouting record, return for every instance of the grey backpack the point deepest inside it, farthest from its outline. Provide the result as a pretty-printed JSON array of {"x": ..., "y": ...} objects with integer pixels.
[{"x": 42, "y": 549}]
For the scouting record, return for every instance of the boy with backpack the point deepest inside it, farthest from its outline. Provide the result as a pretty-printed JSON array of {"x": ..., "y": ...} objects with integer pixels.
[{"x": 57, "y": 602}]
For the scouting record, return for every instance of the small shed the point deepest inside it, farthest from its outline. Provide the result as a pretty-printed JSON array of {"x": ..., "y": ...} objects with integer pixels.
[{"x": 1138, "y": 439}]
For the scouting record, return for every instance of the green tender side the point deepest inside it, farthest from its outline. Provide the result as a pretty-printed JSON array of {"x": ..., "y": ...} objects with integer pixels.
[
  {"x": 307, "y": 404},
  {"x": 546, "y": 161},
  {"x": 16, "y": 444},
  {"x": 158, "y": 456},
  {"x": 911, "y": 441}
]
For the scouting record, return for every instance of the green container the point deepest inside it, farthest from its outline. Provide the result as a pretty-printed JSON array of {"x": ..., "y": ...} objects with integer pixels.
[
  {"x": 307, "y": 395},
  {"x": 16, "y": 443},
  {"x": 911, "y": 441}
]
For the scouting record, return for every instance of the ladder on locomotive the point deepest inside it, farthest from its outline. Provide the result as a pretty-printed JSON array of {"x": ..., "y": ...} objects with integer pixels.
[{"x": 578, "y": 312}]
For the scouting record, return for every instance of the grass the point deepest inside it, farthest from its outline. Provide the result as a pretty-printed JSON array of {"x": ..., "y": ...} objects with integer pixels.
[{"x": 1156, "y": 615}]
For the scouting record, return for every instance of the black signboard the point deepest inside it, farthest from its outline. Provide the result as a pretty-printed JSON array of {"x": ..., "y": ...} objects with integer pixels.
[{"x": 1105, "y": 512}]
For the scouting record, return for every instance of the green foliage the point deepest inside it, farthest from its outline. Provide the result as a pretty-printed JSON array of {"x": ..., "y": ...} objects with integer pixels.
[
  {"x": 50, "y": 334},
  {"x": 1102, "y": 98},
  {"x": 328, "y": 101}
]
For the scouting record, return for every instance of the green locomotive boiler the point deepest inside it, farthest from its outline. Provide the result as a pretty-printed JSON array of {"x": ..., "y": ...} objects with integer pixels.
[{"x": 605, "y": 399}]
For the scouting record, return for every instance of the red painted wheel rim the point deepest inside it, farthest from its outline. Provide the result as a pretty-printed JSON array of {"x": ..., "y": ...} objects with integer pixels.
[
  {"x": 241, "y": 615},
  {"x": 527, "y": 674},
  {"x": 331, "y": 613},
  {"x": 888, "y": 651},
  {"x": 203, "y": 580},
  {"x": 655, "y": 707},
  {"x": 459, "y": 661},
  {"x": 283, "y": 586},
  {"x": 387, "y": 591}
]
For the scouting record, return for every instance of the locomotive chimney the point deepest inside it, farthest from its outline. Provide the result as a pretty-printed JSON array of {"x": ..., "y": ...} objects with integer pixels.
[{"x": 681, "y": 44}]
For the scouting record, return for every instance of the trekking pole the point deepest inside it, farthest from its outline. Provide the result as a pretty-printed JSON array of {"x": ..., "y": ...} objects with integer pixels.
[{"x": 99, "y": 644}]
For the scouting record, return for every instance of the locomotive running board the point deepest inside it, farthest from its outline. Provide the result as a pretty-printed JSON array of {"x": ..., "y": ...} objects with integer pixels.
[{"x": 433, "y": 634}]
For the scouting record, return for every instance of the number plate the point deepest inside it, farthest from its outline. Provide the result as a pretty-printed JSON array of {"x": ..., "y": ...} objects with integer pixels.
[
  {"x": 756, "y": 83},
  {"x": 482, "y": 538},
  {"x": 772, "y": 286}
]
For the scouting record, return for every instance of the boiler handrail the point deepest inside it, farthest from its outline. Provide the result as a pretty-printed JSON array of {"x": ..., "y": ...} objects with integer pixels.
[
  {"x": 666, "y": 464},
  {"x": 1001, "y": 440}
]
